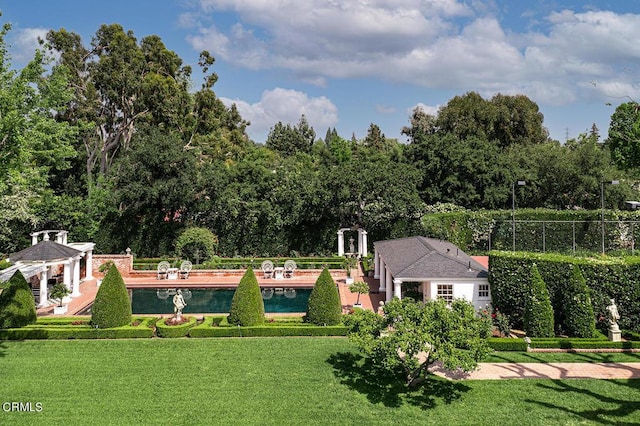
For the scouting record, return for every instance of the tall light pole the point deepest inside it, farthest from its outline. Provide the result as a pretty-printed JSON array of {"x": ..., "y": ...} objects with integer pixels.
[
  {"x": 602, "y": 182},
  {"x": 513, "y": 209}
]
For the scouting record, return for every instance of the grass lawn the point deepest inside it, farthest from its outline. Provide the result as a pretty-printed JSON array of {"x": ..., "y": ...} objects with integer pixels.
[{"x": 279, "y": 381}]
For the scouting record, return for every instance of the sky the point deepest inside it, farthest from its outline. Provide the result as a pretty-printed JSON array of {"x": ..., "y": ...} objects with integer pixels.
[{"x": 347, "y": 64}]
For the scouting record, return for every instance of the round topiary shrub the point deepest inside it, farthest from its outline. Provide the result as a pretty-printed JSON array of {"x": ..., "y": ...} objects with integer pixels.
[
  {"x": 17, "y": 307},
  {"x": 579, "y": 319},
  {"x": 247, "y": 306},
  {"x": 538, "y": 313},
  {"x": 197, "y": 244},
  {"x": 324, "y": 306},
  {"x": 112, "y": 307}
]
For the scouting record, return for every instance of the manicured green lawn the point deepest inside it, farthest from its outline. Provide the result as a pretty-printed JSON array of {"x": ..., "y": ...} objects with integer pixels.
[{"x": 279, "y": 381}]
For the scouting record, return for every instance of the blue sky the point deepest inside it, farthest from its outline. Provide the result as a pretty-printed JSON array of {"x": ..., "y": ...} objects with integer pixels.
[{"x": 346, "y": 64}]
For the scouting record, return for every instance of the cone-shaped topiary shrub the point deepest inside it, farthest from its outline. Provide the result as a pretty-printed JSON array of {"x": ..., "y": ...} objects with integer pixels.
[
  {"x": 17, "y": 307},
  {"x": 247, "y": 306},
  {"x": 538, "y": 313},
  {"x": 112, "y": 307},
  {"x": 324, "y": 306},
  {"x": 579, "y": 319}
]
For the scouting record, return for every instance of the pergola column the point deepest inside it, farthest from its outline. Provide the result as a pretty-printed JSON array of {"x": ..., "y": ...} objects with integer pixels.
[
  {"x": 383, "y": 276},
  {"x": 44, "y": 279},
  {"x": 362, "y": 248},
  {"x": 66, "y": 274},
  {"x": 389, "y": 281},
  {"x": 340, "y": 243},
  {"x": 397, "y": 289},
  {"x": 376, "y": 266},
  {"x": 76, "y": 277},
  {"x": 88, "y": 267}
]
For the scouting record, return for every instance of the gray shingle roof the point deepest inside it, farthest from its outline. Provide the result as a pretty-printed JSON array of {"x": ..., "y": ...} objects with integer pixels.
[
  {"x": 44, "y": 251},
  {"x": 421, "y": 259}
]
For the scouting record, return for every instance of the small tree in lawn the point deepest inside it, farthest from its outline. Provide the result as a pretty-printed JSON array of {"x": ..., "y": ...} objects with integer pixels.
[
  {"x": 413, "y": 335},
  {"x": 359, "y": 287},
  {"x": 17, "y": 307},
  {"x": 112, "y": 307},
  {"x": 58, "y": 292},
  {"x": 324, "y": 306},
  {"x": 538, "y": 313},
  {"x": 579, "y": 319},
  {"x": 247, "y": 306}
]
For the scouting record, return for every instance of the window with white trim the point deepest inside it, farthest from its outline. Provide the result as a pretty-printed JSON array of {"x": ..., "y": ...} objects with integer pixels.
[
  {"x": 445, "y": 291},
  {"x": 483, "y": 291}
]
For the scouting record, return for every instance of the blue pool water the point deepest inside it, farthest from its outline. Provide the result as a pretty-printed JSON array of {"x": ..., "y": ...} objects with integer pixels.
[{"x": 215, "y": 300}]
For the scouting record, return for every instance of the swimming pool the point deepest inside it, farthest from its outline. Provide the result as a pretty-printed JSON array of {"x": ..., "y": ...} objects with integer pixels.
[{"x": 215, "y": 300}]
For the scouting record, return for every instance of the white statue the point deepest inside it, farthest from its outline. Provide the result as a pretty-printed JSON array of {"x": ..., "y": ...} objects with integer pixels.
[
  {"x": 178, "y": 304},
  {"x": 614, "y": 316}
]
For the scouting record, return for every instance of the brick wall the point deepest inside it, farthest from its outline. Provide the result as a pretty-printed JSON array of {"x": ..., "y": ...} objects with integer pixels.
[{"x": 124, "y": 263}]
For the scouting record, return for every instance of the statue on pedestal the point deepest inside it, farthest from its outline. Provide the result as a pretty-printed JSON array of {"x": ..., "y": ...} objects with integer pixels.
[
  {"x": 614, "y": 316},
  {"x": 178, "y": 304}
]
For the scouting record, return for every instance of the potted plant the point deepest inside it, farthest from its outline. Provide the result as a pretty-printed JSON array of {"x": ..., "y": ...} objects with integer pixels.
[
  {"x": 361, "y": 288},
  {"x": 349, "y": 262},
  {"x": 58, "y": 292}
]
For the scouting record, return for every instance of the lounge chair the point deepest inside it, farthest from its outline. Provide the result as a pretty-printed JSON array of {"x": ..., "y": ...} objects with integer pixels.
[
  {"x": 267, "y": 268},
  {"x": 185, "y": 268},
  {"x": 163, "y": 269},
  {"x": 289, "y": 268}
]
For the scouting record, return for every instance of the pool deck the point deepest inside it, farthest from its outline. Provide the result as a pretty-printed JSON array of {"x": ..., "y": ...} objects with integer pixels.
[{"x": 227, "y": 279}]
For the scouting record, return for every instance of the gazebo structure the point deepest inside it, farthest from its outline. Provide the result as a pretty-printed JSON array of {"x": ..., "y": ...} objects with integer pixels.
[
  {"x": 440, "y": 269},
  {"x": 44, "y": 258}
]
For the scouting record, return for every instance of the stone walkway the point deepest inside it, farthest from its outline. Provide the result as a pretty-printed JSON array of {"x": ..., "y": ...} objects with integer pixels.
[{"x": 560, "y": 370}]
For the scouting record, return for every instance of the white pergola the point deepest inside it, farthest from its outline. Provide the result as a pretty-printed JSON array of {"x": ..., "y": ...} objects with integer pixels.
[
  {"x": 43, "y": 256},
  {"x": 361, "y": 249}
]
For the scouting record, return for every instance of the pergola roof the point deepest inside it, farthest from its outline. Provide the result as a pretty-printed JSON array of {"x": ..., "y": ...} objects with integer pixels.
[
  {"x": 423, "y": 259},
  {"x": 27, "y": 271},
  {"x": 44, "y": 251}
]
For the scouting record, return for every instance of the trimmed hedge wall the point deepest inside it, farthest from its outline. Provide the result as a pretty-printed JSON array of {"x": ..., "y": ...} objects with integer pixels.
[
  {"x": 64, "y": 328},
  {"x": 606, "y": 278},
  {"x": 507, "y": 344},
  {"x": 217, "y": 327}
]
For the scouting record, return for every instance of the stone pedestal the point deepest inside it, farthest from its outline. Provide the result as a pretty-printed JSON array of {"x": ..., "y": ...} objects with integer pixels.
[{"x": 615, "y": 335}]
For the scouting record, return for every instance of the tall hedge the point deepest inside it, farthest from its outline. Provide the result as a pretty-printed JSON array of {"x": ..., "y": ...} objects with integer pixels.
[
  {"x": 324, "y": 307},
  {"x": 247, "y": 306},
  {"x": 607, "y": 277},
  {"x": 112, "y": 306},
  {"x": 538, "y": 313},
  {"x": 17, "y": 307},
  {"x": 578, "y": 316}
]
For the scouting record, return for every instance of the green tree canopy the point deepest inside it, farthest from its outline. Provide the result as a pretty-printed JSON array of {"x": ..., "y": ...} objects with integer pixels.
[{"x": 412, "y": 335}]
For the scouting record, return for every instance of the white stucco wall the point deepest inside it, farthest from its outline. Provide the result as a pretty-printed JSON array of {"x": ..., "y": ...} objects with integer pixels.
[{"x": 461, "y": 290}]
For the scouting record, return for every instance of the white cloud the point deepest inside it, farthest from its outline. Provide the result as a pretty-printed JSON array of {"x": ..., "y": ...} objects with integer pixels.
[
  {"x": 24, "y": 43},
  {"x": 446, "y": 44},
  {"x": 431, "y": 110},
  {"x": 286, "y": 106}
]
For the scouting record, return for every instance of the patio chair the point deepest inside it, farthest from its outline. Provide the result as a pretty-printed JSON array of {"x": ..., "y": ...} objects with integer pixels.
[
  {"x": 267, "y": 268},
  {"x": 185, "y": 268},
  {"x": 163, "y": 269},
  {"x": 289, "y": 267}
]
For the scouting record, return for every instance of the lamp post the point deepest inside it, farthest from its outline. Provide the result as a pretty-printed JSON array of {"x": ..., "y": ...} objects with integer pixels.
[
  {"x": 602, "y": 182},
  {"x": 513, "y": 209}
]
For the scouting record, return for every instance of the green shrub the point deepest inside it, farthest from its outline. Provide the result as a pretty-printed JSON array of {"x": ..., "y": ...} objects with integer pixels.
[
  {"x": 63, "y": 328},
  {"x": 538, "y": 313},
  {"x": 112, "y": 306},
  {"x": 324, "y": 306},
  {"x": 198, "y": 244},
  {"x": 247, "y": 306},
  {"x": 170, "y": 331},
  {"x": 17, "y": 307},
  {"x": 505, "y": 344},
  {"x": 578, "y": 317}
]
